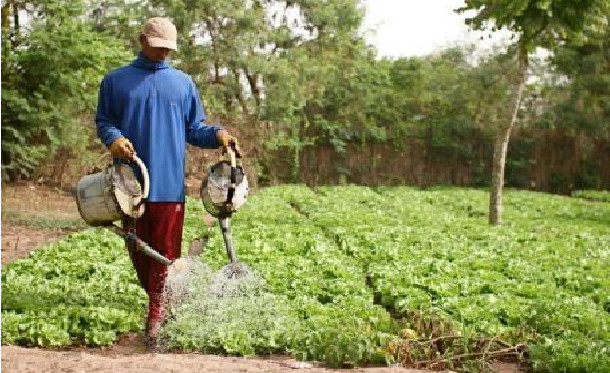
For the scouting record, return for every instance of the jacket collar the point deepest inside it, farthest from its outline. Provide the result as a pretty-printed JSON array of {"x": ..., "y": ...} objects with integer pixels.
[{"x": 144, "y": 63}]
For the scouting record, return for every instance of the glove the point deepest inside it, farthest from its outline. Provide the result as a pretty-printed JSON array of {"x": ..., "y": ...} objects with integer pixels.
[
  {"x": 122, "y": 148},
  {"x": 226, "y": 140}
]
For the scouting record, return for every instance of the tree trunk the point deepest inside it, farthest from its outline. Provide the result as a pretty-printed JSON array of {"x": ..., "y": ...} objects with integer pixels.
[
  {"x": 16, "y": 26},
  {"x": 501, "y": 144},
  {"x": 497, "y": 176},
  {"x": 6, "y": 9},
  {"x": 238, "y": 90},
  {"x": 252, "y": 80}
]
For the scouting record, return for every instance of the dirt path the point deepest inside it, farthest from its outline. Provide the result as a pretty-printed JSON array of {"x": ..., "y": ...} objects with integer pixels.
[
  {"x": 33, "y": 216},
  {"x": 19, "y": 359}
]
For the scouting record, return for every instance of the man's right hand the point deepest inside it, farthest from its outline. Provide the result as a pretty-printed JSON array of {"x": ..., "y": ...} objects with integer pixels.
[{"x": 122, "y": 148}]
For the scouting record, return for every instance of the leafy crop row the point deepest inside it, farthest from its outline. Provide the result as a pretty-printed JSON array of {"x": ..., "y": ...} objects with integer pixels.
[
  {"x": 350, "y": 267},
  {"x": 79, "y": 290},
  {"x": 593, "y": 195}
]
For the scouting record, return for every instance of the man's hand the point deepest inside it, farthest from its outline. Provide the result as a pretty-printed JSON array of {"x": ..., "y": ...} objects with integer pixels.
[
  {"x": 226, "y": 140},
  {"x": 122, "y": 148}
]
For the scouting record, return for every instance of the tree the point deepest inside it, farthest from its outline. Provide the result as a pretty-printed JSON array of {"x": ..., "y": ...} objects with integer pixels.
[{"x": 538, "y": 23}]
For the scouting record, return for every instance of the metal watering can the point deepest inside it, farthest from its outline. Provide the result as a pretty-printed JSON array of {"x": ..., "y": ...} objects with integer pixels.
[
  {"x": 223, "y": 191},
  {"x": 113, "y": 194}
]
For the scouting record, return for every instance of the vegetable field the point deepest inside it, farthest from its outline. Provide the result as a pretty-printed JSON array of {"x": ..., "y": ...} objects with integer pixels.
[{"x": 356, "y": 275}]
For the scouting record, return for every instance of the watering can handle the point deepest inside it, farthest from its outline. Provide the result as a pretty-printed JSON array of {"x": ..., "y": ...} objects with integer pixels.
[
  {"x": 145, "y": 176},
  {"x": 232, "y": 156},
  {"x": 232, "y": 186}
]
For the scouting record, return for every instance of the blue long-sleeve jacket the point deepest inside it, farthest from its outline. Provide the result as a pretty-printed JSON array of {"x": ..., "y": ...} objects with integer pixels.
[{"x": 158, "y": 109}]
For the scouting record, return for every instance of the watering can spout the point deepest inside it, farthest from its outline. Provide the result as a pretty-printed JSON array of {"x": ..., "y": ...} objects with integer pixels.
[
  {"x": 142, "y": 246},
  {"x": 225, "y": 226}
]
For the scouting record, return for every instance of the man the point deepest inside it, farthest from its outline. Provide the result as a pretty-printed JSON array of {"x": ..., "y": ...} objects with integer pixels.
[{"x": 152, "y": 109}]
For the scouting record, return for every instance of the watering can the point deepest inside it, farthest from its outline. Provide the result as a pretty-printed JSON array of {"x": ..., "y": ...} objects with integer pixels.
[
  {"x": 114, "y": 194},
  {"x": 223, "y": 191}
]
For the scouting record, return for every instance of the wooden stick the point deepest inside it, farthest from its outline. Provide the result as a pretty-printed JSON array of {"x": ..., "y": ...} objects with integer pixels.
[{"x": 504, "y": 351}]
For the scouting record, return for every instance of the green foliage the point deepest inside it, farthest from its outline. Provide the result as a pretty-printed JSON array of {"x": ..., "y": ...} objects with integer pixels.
[
  {"x": 539, "y": 22},
  {"x": 586, "y": 106},
  {"x": 77, "y": 291},
  {"x": 593, "y": 195},
  {"x": 343, "y": 265},
  {"x": 50, "y": 76}
]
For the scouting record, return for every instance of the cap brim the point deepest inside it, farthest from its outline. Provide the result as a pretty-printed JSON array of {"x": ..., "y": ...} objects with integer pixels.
[{"x": 162, "y": 43}]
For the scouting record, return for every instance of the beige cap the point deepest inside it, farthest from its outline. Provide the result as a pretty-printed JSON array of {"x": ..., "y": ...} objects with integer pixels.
[{"x": 160, "y": 33}]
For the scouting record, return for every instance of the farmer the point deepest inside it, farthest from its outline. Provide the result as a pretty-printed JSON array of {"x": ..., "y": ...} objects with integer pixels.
[{"x": 152, "y": 109}]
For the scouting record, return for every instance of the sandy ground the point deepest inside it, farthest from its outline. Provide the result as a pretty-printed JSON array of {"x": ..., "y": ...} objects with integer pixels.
[
  {"x": 19, "y": 359},
  {"x": 18, "y": 242},
  {"x": 36, "y": 202},
  {"x": 41, "y": 201},
  {"x": 129, "y": 354}
]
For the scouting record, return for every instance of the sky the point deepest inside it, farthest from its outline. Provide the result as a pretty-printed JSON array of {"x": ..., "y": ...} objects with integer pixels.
[{"x": 419, "y": 27}]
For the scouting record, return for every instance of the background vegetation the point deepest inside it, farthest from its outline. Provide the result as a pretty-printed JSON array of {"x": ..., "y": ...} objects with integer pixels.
[{"x": 305, "y": 92}]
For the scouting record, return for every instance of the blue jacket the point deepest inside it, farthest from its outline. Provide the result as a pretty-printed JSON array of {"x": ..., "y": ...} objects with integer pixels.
[{"x": 157, "y": 108}]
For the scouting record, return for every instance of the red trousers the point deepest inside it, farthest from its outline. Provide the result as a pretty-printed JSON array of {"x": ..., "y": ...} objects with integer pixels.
[{"x": 161, "y": 228}]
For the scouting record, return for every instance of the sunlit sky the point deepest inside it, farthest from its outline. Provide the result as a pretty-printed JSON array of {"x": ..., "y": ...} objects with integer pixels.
[{"x": 419, "y": 27}]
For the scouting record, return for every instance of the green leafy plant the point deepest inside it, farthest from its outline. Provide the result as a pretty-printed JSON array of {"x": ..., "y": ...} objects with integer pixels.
[
  {"x": 593, "y": 195},
  {"x": 359, "y": 276}
]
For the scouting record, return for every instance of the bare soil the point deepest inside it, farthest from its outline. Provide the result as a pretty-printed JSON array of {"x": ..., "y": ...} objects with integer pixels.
[
  {"x": 24, "y": 203},
  {"x": 41, "y": 201},
  {"x": 129, "y": 354},
  {"x": 19, "y": 359},
  {"x": 18, "y": 242}
]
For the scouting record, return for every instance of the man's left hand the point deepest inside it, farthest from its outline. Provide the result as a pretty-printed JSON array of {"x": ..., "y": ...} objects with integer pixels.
[{"x": 226, "y": 140}]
